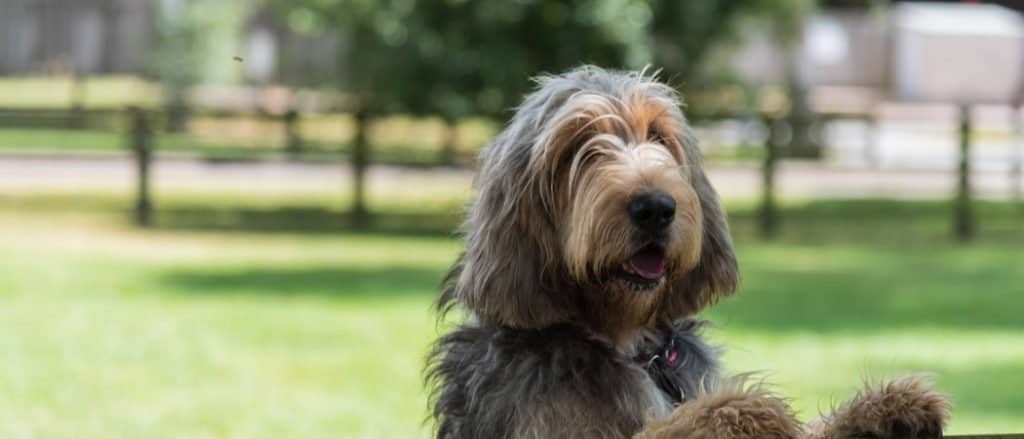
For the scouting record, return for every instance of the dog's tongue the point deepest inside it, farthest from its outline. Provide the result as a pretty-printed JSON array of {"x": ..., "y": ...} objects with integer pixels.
[{"x": 649, "y": 263}]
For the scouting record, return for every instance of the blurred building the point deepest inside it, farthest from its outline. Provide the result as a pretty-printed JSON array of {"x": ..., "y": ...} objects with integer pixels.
[
  {"x": 82, "y": 36},
  {"x": 854, "y": 53}
]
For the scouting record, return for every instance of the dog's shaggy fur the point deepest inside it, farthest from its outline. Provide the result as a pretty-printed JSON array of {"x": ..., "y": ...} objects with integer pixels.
[{"x": 594, "y": 240}]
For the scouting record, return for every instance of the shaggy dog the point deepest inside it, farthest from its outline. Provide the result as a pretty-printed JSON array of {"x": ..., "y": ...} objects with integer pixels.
[{"x": 594, "y": 240}]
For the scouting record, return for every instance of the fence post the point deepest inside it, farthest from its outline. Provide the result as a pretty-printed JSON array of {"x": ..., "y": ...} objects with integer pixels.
[
  {"x": 768, "y": 212},
  {"x": 140, "y": 135},
  {"x": 449, "y": 146},
  {"x": 176, "y": 109},
  {"x": 872, "y": 141},
  {"x": 963, "y": 219},
  {"x": 360, "y": 160},
  {"x": 293, "y": 138},
  {"x": 1016, "y": 155}
]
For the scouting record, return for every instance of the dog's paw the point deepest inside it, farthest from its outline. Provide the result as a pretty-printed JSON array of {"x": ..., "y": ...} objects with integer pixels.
[
  {"x": 733, "y": 413},
  {"x": 902, "y": 408}
]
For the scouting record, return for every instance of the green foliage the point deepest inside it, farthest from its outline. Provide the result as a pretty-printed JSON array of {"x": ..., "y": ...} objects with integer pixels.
[
  {"x": 196, "y": 40},
  {"x": 685, "y": 33},
  {"x": 175, "y": 59},
  {"x": 477, "y": 56},
  {"x": 457, "y": 58}
]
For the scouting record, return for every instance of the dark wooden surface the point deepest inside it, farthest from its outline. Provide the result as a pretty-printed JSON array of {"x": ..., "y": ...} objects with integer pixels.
[{"x": 986, "y": 436}]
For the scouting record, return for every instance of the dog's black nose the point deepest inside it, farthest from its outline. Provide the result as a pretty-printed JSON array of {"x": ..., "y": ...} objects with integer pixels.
[{"x": 652, "y": 211}]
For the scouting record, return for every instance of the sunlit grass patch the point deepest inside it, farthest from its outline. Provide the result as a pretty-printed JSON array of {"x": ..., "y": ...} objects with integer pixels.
[{"x": 107, "y": 330}]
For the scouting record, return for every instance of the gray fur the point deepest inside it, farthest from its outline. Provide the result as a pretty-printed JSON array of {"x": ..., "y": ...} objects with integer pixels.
[
  {"x": 530, "y": 362},
  {"x": 511, "y": 269}
]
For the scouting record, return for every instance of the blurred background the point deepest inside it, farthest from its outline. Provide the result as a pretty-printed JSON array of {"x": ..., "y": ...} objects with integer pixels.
[{"x": 228, "y": 218}]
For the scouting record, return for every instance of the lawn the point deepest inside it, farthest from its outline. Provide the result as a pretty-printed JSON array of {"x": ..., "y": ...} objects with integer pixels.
[
  {"x": 305, "y": 331},
  {"x": 248, "y": 146},
  {"x": 397, "y": 139}
]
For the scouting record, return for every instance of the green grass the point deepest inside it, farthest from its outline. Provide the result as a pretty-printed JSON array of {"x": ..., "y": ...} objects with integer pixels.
[
  {"x": 397, "y": 139},
  {"x": 183, "y": 331},
  {"x": 57, "y": 91},
  {"x": 98, "y": 142}
]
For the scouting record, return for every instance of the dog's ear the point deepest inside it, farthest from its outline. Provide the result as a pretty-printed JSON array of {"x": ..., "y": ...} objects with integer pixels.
[
  {"x": 504, "y": 274},
  {"x": 716, "y": 274}
]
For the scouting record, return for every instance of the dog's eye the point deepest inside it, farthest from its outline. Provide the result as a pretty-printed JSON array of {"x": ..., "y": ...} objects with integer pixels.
[{"x": 654, "y": 136}]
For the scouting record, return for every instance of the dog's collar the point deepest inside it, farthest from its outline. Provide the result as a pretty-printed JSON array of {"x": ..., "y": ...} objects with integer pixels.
[
  {"x": 668, "y": 356},
  {"x": 662, "y": 363},
  {"x": 672, "y": 355}
]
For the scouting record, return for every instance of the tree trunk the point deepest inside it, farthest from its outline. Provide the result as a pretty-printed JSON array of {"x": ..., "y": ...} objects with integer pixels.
[
  {"x": 768, "y": 214},
  {"x": 360, "y": 161},
  {"x": 963, "y": 220},
  {"x": 801, "y": 119},
  {"x": 140, "y": 136},
  {"x": 111, "y": 24},
  {"x": 449, "y": 146}
]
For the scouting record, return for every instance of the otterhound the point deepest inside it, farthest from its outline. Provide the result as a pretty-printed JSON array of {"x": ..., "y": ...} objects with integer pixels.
[{"x": 594, "y": 240}]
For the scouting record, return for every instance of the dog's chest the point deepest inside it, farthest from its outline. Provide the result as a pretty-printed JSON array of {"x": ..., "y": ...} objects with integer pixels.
[{"x": 656, "y": 403}]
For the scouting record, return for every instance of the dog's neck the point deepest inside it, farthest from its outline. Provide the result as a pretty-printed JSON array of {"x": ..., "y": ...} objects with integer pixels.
[{"x": 622, "y": 317}]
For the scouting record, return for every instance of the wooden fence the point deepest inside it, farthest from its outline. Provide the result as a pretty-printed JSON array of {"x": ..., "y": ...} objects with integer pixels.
[{"x": 139, "y": 127}]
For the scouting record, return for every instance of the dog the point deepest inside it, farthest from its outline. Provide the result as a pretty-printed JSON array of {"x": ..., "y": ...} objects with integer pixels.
[{"x": 592, "y": 244}]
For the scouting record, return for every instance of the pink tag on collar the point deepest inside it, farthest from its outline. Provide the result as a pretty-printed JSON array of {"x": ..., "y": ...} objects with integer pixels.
[{"x": 673, "y": 358}]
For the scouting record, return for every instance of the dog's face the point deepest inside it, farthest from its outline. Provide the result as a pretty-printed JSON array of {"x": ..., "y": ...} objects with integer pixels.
[
  {"x": 624, "y": 210},
  {"x": 593, "y": 207}
]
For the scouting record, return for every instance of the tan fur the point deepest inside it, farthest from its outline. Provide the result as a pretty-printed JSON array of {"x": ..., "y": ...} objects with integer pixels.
[
  {"x": 550, "y": 221},
  {"x": 597, "y": 153},
  {"x": 734, "y": 411},
  {"x": 902, "y": 408}
]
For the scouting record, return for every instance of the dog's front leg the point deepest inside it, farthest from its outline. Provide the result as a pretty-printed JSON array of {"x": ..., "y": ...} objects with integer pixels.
[
  {"x": 902, "y": 408},
  {"x": 734, "y": 411}
]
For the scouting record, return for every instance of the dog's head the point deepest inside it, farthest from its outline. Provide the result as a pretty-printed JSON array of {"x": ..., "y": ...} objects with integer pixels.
[{"x": 593, "y": 206}]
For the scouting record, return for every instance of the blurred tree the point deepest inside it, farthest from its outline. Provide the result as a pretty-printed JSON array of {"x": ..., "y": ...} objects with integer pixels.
[
  {"x": 685, "y": 36},
  {"x": 174, "y": 60},
  {"x": 459, "y": 58},
  {"x": 451, "y": 58},
  {"x": 682, "y": 33},
  {"x": 195, "y": 42},
  {"x": 476, "y": 57},
  {"x": 373, "y": 33}
]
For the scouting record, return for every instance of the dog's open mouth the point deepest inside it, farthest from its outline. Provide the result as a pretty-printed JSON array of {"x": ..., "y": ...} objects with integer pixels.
[{"x": 645, "y": 269}]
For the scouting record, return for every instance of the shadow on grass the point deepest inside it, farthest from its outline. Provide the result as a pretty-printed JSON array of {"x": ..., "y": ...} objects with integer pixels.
[
  {"x": 372, "y": 283},
  {"x": 880, "y": 221},
  {"x": 867, "y": 222},
  {"x": 304, "y": 220}
]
